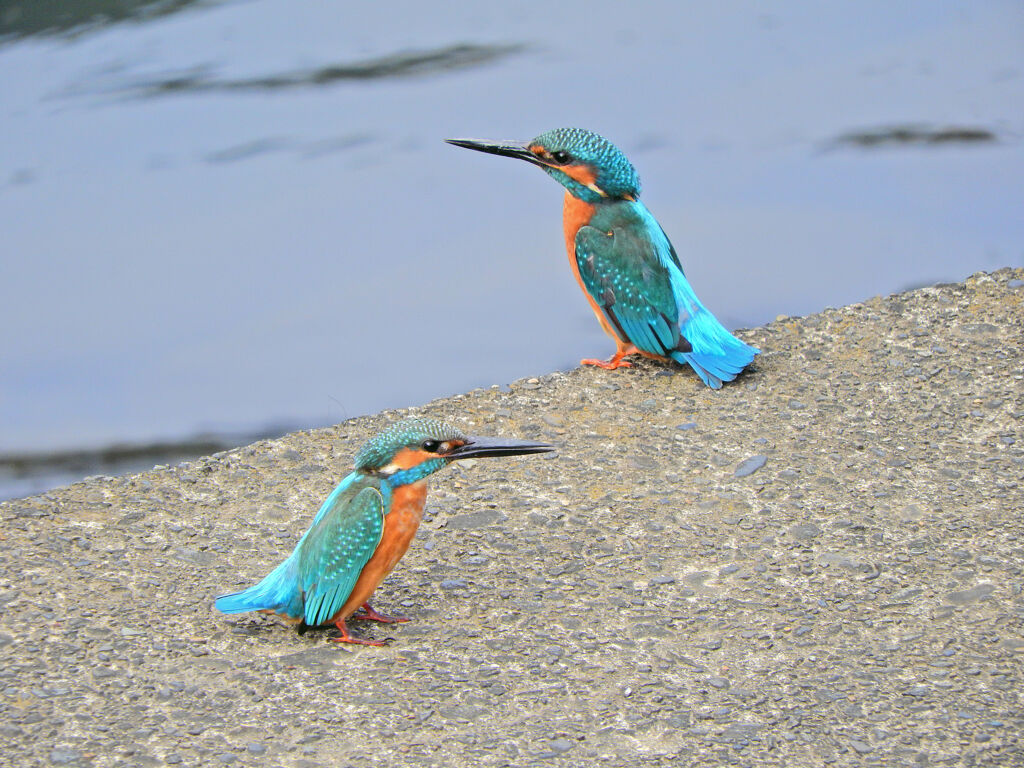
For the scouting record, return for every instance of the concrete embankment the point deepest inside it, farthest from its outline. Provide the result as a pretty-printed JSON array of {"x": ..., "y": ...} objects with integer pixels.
[{"x": 819, "y": 564}]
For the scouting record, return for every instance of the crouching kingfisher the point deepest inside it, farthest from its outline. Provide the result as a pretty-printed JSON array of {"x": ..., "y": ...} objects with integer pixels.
[
  {"x": 623, "y": 260},
  {"x": 364, "y": 527}
]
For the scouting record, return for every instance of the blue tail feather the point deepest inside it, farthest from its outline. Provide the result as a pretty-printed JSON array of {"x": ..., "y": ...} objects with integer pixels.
[
  {"x": 717, "y": 356},
  {"x": 278, "y": 592}
]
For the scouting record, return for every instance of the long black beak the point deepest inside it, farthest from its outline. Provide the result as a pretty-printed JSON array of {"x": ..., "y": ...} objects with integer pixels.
[
  {"x": 515, "y": 149},
  {"x": 496, "y": 446}
]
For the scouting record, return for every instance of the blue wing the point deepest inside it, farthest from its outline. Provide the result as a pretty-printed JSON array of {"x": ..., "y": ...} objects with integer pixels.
[
  {"x": 622, "y": 273},
  {"x": 630, "y": 269},
  {"x": 334, "y": 552},
  {"x": 280, "y": 591}
]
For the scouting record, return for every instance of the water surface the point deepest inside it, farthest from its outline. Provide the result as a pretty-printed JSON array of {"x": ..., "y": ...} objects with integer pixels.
[{"x": 221, "y": 216}]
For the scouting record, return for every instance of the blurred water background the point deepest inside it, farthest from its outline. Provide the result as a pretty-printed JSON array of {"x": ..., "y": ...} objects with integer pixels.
[{"x": 222, "y": 220}]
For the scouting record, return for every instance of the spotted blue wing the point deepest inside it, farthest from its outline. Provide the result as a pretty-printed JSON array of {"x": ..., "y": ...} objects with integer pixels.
[
  {"x": 335, "y": 552},
  {"x": 625, "y": 276}
]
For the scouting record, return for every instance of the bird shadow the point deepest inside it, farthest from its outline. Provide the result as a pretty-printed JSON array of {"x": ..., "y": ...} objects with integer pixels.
[{"x": 259, "y": 628}]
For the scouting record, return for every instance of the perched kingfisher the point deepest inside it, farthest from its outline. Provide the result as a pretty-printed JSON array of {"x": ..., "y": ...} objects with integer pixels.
[
  {"x": 364, "y": 527},
  {"x": 623, "y": 260}
]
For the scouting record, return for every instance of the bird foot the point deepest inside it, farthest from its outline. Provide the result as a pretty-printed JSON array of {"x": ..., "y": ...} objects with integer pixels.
[
  {"x": 616, "y": 361},
  {"x": 347, "y": 638},
  {"x": 369, "y": 614}
]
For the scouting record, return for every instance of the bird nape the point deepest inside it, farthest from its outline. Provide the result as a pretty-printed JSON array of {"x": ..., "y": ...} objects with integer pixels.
[
  {"x": 364, "y": 527},
  {"x": 622, "y": 259}
]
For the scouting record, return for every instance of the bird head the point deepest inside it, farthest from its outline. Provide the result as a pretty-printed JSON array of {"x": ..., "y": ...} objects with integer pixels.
[
  {"x": 585, "y": 163},
  {"x": 411, "y": 449}
]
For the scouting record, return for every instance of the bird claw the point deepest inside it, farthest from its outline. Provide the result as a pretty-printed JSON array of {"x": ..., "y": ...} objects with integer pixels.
[
  {"x": 608, "y": 365},
  {"x": 347, "y": 638},
  {"x": 369, "y": 614}
]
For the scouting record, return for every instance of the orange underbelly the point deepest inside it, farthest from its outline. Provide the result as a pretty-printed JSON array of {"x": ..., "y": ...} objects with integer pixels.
[
  {"x": 400, "y": 526},
  {"x": 575, "y": 214}
]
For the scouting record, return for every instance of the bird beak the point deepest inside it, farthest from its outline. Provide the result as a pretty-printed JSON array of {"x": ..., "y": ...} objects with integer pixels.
[
  {"x": 496, "y": 446},
  {"x": 516, "y": 149}
]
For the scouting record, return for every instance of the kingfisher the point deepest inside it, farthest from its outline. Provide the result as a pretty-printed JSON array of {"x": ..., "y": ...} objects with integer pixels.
[
  {"x": 623, "y": 260},
  {"x": 364, "y": 527}
]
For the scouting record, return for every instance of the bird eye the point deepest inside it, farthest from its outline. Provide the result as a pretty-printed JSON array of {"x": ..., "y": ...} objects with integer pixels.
[
  {"x": 430, "y": 446},
  {"x": 561, "y": 157}
]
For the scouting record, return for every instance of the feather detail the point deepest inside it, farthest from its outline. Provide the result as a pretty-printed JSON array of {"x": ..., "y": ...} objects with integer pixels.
[{"x": 633, "y": 278}]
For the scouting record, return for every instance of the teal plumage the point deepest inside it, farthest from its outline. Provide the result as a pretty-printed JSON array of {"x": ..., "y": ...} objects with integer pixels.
[
  {"x": 631, "y": 271},
  {"x": 406, "y": 433},
  {"x": 364, "y": 526},
  {"x": 623, "y": 260},
  {"x": 336, "y": 551},
  {"x": 614, "y": 175},
  {"x": 283, "y": 590}
]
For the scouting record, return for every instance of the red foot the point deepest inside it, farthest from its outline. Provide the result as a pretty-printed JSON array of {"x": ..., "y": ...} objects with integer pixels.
[
  {"x": 615, "y": 361},
  {"x": 369, "y": 614},
  {"x": 608, "y": 365},
  {"x": 347, "y": 638}
]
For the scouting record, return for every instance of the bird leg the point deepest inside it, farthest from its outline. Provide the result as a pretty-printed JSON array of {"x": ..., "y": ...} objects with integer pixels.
[
  {"x": 369, "y": 614},
  {"x": 347, "y": 638},
  {"x": 615, "y": 361}
]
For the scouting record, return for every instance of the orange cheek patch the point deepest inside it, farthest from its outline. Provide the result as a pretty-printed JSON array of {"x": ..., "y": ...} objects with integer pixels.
[
  {"x": 411, "y": 457},
  {"x": 450, "y": 446},
  {"x": 582, "y": 173}
]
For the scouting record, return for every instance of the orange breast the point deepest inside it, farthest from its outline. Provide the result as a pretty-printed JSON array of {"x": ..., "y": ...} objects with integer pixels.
[
  {"x": 400, "y": 526},
  {"x": 577, "y": 213}
]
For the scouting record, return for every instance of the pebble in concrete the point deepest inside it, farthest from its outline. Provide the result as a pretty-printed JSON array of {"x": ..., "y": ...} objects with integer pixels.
[{"x": 856, "y": 601}]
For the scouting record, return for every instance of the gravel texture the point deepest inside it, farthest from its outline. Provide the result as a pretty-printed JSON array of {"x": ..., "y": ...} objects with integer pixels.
[{"x": 820, "y": 564}]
